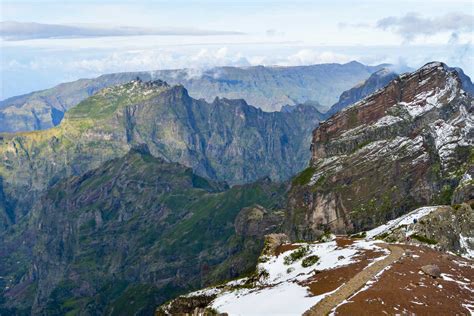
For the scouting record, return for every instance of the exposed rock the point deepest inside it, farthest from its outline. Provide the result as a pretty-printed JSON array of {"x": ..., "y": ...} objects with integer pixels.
[
  {"x": 444, "y": 228},
  {"x": 407, "y": 145},
  {"x": 431, "y": 270},
  {"x": 188, "y": 305},
  {"x": 271, "y": 243},
  {"x": 377, "y": 80},
  {"x": 226, "y": 140},
  {"x": 257, "y": 221}
]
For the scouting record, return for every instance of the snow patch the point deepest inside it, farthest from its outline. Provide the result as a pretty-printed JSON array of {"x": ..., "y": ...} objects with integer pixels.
[
  {"x": 403, "y": 220},
  {"x": 283, "y": 299},
  {"x": 387, "y": 120},
  {"x": 466, "y": 245}
]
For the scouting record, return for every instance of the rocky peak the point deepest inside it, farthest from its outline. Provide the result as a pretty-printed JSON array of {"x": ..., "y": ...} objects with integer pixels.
[
  {"x": 406, "y": 145},
  {"x": 413, "y": 94}
]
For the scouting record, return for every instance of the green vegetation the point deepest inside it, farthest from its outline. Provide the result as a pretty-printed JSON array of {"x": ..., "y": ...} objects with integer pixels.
[
  {"x": 304, "y": 176},
  {"x": 309, "y": 261},
  {"x": 424, "y": 239},
  {"x": 363, "y": 144},
  {"x": 160, "y": 219},
  {"x": 445, "y": 195},
  {"x": 296, "y": 255}
]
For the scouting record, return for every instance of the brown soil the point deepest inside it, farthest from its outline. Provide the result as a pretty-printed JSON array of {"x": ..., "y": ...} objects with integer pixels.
[
  {"x": 403, "y": 289},
  {"x": 284, "y": 248},
  {"x": 324, "y": 306},
  {"x": 329, "y": 280},
  {"x": 344, "y": 241}
]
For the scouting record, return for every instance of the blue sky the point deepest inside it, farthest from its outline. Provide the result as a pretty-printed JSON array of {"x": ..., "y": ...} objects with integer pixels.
[{"x": 75, "y": 39}]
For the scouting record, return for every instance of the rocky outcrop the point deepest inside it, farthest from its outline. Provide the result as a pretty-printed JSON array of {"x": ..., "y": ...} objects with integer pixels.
[
  {"x": 432, "y": 270},
  {"x": 448, "y": 228},
  {"x": 406, "y": 145},
  {"x": 189, "y": 305},
  {"x": 256, "y": 221}
]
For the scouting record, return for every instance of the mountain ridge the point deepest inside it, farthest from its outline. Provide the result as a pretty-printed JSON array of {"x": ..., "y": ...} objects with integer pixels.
[
  {"x": 265, "y": 87},
  {"x": 418, "y": 126},
  {"x": 226, "y": 140}
]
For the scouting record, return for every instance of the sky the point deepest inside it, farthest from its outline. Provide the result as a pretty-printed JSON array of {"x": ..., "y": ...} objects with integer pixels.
[{"x": 43, "y": 43}]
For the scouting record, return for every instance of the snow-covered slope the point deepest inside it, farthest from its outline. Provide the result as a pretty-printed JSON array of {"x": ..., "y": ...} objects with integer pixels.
[{"x": 297, "y": 276}]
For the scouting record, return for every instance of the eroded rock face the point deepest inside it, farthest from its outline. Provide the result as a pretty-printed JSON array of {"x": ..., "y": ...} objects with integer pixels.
[
  {"x": 226, "y": 140},
  {"x": 256, "y": 221},
  {"x": 406, "y": 145},
  {"x": 376, "y": 81}
]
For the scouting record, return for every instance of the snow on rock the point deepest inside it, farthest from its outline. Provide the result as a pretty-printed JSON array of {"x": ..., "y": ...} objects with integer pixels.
[
  {"x": 328, "y": 254},
  {"x": 449, "y": 135},
  {"x": 387, "y": 120},
  {"x": 403, "y": 220},
  {"x": 428, "y": 100},
  {"x": 466, "y": 244},
  {"x": 389, "y": 148}
]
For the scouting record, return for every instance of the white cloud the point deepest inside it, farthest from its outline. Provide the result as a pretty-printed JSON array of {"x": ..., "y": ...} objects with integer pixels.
[
  {"x": 412, "y": 25},
  {"x": 11, "y": 30}
]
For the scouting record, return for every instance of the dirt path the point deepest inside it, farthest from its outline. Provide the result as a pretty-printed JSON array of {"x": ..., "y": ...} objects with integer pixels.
[{"x": 324, "y": 306}]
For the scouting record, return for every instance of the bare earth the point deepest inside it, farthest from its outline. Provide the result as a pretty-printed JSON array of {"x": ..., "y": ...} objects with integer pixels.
[{"x": 358, "y": 281}]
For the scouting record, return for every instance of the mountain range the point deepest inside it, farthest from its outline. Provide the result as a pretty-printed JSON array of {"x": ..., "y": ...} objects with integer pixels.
[
  {"x": 268, "y": 88},
  {"x": 126, "y": 203},
  {"x": 355, "y": 239}
]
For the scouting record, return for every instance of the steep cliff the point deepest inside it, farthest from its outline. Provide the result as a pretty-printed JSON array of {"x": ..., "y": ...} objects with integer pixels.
[
  {"x": 226, "y": 140},
  {"x": 406, "y": 145}
]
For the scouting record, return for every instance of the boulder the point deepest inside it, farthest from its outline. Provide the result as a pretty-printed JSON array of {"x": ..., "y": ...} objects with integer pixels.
[{"x": 431, "y": 270}]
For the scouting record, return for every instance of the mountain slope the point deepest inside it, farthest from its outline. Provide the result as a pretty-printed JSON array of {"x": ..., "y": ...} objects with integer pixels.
[
  {"x": 407, "y": 145},
  {"x": 129, "y": 235},
  {"x": 225, "y": 140},
  {"x": 266, "y": 87},
  {"x": 352, "y": 275}
]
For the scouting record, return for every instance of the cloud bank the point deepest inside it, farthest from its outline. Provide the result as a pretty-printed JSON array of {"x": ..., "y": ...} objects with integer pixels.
[
  {"x": 14, "y": 31},
  {"x": 412, "y": 25}
]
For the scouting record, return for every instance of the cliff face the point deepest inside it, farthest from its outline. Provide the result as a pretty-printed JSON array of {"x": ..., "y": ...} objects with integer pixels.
[
  {"x": 406, "y": 145},
  {"x": 226, "y": 140}
]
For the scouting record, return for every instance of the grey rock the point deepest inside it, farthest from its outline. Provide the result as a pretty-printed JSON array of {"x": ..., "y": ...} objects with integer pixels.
[{"x": 431, "y": 270}]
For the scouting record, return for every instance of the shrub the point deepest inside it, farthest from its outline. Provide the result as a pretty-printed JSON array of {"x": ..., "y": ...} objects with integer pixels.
[
  {"x": 304, "y": 177},
  {"x": 309, "y": 261},
  {"x": 296, "y": 255},
  {"x": 424, "y": 239}
]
